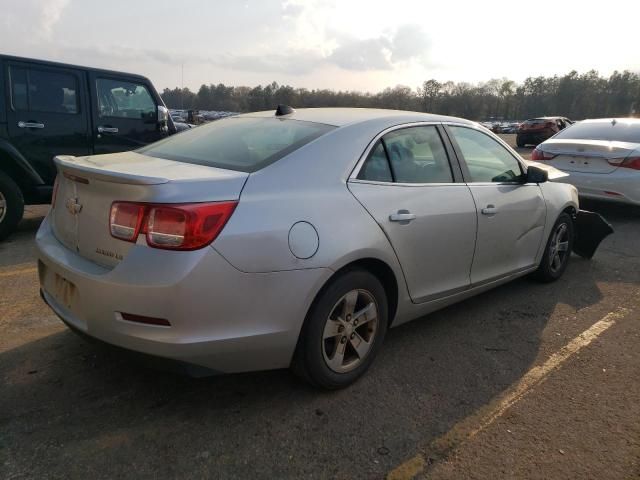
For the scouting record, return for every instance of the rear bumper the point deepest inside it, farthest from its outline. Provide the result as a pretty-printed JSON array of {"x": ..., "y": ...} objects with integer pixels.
[
  {"x": 221, "y": 318},
  {"x": 621, "y": 185},
  {"x": 533, "y": 137}
]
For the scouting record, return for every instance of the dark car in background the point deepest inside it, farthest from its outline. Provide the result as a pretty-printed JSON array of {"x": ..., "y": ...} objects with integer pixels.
[
  {"x": 49, "y": 109},
  {"x": 537, "y": 130}
]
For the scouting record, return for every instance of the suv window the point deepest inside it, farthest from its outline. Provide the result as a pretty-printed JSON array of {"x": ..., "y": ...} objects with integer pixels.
[
  {"x": 43, "y": 91},
  {"x": 486, "y": 159},
  {"x": 122, "y": 99},
  {"x": 408, "y": 155}
]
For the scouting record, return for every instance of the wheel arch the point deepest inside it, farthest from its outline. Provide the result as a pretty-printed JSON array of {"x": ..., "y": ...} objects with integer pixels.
[
  {"x": 13, "y": 164},
  {"x": 378, "y": 268}
]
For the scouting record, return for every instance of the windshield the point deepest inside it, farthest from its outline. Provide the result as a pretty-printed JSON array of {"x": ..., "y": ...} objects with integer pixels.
[
  {"x": 238, "y": 143},
  {"x": 620, "y": 131}
]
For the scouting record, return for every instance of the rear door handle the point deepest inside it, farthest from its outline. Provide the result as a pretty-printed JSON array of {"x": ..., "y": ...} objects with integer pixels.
[
  {"x": 489, "y": 210},
  {"x": 402, "y": 216},
  {"x": 102, "y": 129},
  {"x": 22, "y": 124}
]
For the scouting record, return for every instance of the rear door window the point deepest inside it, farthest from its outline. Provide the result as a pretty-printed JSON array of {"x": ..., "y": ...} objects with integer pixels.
[
  {"x": 408, "y": 155},
  {"x": 245, "y": 144},
  {"x": 45, "y": 91},
  {"x": 123, "y": 99}
]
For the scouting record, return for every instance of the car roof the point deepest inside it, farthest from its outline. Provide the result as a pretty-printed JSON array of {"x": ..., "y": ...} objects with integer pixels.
[
  {"x": 68, "y": 65},
  {"x": 339, "y": 117}
]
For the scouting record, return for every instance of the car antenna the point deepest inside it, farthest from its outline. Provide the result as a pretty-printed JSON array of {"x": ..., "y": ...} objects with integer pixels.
[{"x": 284, "y": 110}]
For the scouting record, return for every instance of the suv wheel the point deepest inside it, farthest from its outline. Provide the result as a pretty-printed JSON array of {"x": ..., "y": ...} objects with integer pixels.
[
  {"x": 11, "y": 205},
  {"x": 558, "y": 250},
  {"x": 343, "y": 332}
]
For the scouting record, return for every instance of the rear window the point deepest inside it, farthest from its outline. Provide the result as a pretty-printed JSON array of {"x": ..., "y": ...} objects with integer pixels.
[
  {"x": 537, "y": 121},
  {"x": 620, "y": 131},
  {"x": 240, "y": 143}
]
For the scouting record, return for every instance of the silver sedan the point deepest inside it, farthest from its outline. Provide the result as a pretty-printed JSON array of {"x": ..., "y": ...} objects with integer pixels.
[{"x": 297, "y": 238}]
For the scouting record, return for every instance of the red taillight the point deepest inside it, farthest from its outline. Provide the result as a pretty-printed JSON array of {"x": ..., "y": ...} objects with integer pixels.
[
  {"x": 170, "y": 226},
  {"x": 125, "y": 220},
  {"x": 55, "y": 191},
  {"x": 631, "y": 162},
  {"x": 539, "y": 155}
]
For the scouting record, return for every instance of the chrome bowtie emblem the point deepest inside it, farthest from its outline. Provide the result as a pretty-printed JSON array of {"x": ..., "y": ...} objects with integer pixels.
[{"x": 73, "y": 206}]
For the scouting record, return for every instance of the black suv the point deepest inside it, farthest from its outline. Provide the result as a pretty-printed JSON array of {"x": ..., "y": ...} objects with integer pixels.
[{"x": 49, "y": 109}]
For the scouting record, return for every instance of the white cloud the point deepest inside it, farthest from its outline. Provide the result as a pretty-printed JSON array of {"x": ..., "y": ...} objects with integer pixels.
[{"x": 50, "y": 14}]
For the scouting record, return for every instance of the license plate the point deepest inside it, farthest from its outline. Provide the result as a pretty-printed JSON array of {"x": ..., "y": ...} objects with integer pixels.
[{"x": 64, "y": 290}]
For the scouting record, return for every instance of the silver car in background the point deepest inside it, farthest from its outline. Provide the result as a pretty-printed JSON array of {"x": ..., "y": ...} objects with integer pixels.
[
  {"x": 297, "y": 239},
  {"x": 601, "y": 156}
]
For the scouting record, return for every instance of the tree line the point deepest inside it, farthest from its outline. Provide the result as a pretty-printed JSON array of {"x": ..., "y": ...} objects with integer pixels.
[{"x": 574, "y": 95}]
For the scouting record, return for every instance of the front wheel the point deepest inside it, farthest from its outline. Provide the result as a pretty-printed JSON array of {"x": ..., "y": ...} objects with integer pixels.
[
  {"x": 558, "y": 250},
  {"x": 343, "y": 332}
]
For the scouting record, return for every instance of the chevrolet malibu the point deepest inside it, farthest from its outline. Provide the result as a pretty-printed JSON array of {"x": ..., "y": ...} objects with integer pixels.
[{"x": 297, "y": 238}]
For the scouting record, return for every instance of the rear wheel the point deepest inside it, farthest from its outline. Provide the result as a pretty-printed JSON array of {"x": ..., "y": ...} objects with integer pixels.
[
  {"x": 11, "y": 205},
  {"x": 558, "y": 250},
  {"x": 520, "y": 143},
  {"x": 343, "y": 332}
]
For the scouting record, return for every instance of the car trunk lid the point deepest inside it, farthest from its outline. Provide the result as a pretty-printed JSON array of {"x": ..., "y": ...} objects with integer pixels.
[
  {"x": 586, "y": 156},
  {"x": 87, "y": 187}
]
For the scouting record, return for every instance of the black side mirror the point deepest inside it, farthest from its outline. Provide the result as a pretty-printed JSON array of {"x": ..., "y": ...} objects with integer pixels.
[{"x": 536, "y": 175}]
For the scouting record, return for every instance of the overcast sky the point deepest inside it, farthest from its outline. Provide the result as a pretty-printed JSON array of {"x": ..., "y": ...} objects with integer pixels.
[{"x": 337, "y": 44}]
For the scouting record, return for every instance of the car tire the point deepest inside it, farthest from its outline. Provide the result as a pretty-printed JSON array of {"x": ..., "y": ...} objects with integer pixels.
[
  {"x": 11, "y": 205},
  {"x": 555, "y": 259},
  {"x": 520, "y": 143},
  {"x": 336, "y": 346}
]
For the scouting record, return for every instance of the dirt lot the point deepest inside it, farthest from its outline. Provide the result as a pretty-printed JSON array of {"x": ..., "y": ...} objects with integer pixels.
[{"x": 525, "y": 381}]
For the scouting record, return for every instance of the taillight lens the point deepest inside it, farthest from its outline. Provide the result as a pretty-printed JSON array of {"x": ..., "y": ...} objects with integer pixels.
[
  {"x": 539, "y": 155},
  {"x": 171, "y": 226},
  {"x": 125, "y": 220},
  {"x": 631, "y": 162}
]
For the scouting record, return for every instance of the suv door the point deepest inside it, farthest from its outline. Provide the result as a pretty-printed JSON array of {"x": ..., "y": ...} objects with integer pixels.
[
  {"x": 408, "y": 186},
  {"x": 125, "y": 113},
  {"x": 47, "y": 115},
  {"x": 511, "y": 214}
]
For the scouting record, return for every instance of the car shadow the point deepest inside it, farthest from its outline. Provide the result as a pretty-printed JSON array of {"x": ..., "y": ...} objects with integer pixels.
[{"x": 12, "y": 249}]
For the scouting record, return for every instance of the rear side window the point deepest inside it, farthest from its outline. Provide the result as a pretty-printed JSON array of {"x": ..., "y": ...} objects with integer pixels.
[
  {"x": 43, "y": 91},
  {"x": 620, "y": 131},
  {"x": 408, "y": 155},
  {"x": 243, "y": 143},
  {"x": 122, "y": 99}
]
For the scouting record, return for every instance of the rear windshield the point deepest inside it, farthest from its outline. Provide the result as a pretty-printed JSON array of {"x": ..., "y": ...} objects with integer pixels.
[
  {"x": 536, "y": 121},
  {"x": 239, "y": 143},
  {"x": 620, "y": 131}
]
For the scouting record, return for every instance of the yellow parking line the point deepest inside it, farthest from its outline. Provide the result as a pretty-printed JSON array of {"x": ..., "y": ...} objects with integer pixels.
[
  {"x": 464, "y": 431},
  {"x": 18, "y": 271}
]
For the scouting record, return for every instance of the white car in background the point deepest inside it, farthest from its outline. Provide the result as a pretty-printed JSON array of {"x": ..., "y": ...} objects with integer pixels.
[{"x": 601, "y": 156}]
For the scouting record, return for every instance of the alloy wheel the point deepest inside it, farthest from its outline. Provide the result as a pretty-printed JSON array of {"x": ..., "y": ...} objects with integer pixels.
[
  {"x": 559, "y": 248},
  {"x": 350, "y": 331}
]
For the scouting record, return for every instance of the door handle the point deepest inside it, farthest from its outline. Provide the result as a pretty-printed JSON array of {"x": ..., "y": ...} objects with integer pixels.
[
  {"x": 102, "y": 129},
  {"x": 22, "y": 124},
  {"x": 489, "y": 210},
  {"x": 402, "y": 216}
]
